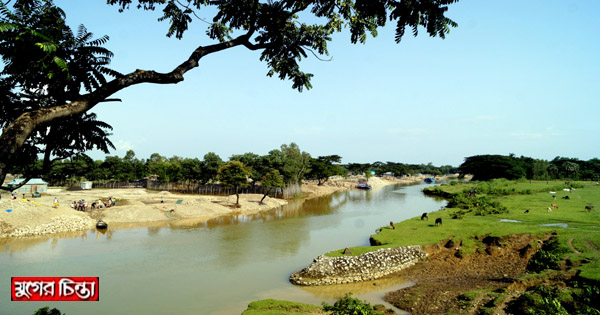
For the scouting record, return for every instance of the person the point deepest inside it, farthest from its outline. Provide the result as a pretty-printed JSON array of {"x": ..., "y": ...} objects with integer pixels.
[
  {"x": 55, "y": 203},
  {"x": 162, "y": 200}
]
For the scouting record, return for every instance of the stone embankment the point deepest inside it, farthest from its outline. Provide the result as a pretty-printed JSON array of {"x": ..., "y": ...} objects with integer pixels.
[
  {"x": 63, "y": 223},
  {"x": 368, "y": 266}
]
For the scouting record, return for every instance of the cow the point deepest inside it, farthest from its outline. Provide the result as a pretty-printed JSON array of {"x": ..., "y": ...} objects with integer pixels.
[
  {"x": 527, "y": 211},
  {"x": 438, "y": 221},
  {"x": 566, "y": 197},
  {"x": 549, "y": 209},
  {"x": 555, "y": 206},
  {"x": 425, "y": 216},
  {"x": 392, "y": 225},
  {"x": 589, "y": 208}
]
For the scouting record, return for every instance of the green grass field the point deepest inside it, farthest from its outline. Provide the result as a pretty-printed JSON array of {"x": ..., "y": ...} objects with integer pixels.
[{"x": 570, "y": 220}]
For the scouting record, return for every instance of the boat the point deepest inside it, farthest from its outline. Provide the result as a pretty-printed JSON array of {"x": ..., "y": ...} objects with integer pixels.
[
  {"x": 430, "y": 180},
  {"x": 101, "y": 225},
  {"x": 363, "y": 186}
]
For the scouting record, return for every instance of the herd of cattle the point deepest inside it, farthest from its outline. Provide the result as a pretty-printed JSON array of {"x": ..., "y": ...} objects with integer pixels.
[{"x": 438, "y": 221}]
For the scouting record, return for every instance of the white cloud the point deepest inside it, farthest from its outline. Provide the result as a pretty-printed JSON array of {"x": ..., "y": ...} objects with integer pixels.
[{"x": 123, "y": 145}]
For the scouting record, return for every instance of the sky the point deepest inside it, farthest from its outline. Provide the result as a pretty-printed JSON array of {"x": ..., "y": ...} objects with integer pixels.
[{"x": 515, "y": 76}]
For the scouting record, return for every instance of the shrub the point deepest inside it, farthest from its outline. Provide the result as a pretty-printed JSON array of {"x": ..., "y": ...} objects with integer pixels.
[
  {"x": 47, "y": 311},
  {"x": 548, "y": 257},
  {"x": 350, "y": 306}
]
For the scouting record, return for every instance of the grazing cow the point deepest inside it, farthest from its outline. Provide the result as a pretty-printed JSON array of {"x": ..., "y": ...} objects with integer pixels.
[
  {"x": 553, "y": 197},
  {"x": 425, "y": 216},
  {"x": 549, "y": 209},
  {"x": 438, "y": 221},
  {"x": 589, "y": 208},
  {"x": 566, "y": 197},
  {"x": 555, "y": 206},
  {"x": 527, "y": 211},
  {"x": 392, "y": 225}
]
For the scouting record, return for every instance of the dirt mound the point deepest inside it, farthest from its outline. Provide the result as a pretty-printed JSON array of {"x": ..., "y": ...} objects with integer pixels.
[{"x": 448, "y": 273}]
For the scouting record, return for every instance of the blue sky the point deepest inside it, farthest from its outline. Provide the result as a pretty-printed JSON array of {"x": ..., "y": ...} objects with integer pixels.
[{"x": 515, "y": 76}]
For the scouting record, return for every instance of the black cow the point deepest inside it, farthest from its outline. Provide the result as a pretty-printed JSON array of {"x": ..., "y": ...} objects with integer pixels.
[
  {"x": 566, "y": 197},
  {"x": 425, "y": 216},
  {"x": 438, "y": 221},
  {"x": 589, "y": 208}
]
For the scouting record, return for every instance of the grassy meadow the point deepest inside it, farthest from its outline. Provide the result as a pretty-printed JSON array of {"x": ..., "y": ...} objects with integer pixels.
[{"x": 494, "y": 210}]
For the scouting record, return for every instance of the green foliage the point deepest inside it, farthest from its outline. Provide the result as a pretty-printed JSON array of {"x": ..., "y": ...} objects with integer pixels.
[
  {"x": 45, "y": 65},
  {"x": 349, "y": 306},
  {"x": 477, "y": 205},
  {"x": 285, "y": 37},
  {"x": 210, "y": 167},
  {"x": 47, "y": 311},
  {"x": 234, "y": 174},
  {"x": 322, "y": 168},
  {"x": 277, "y": 307},
  {"x": 548, "y": 257},
  {"x": 576, "y": 299},
  {"x": 486, "y": 167},
  {"x": 272, "y": 179}
]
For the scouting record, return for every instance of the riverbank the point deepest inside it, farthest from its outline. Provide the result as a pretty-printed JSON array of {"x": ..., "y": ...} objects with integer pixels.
[
  {"x": 502, "y": 251},
  {"x": 138, "y": 207}
]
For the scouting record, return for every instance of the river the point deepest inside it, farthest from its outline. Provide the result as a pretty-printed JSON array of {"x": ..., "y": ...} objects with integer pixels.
[{"x": 216, "y": 267}]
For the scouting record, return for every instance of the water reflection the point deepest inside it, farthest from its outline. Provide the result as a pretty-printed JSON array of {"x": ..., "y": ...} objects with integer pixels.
[{"x": 336, "y": 291}]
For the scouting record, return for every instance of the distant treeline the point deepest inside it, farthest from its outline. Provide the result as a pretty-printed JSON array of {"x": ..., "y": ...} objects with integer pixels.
[
  {"x": 485, "y": 167},
  {"x": 292, "y": 164}
]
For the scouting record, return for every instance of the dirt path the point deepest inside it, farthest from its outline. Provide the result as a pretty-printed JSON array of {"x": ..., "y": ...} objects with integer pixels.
[{"x": 570, "y": 242}]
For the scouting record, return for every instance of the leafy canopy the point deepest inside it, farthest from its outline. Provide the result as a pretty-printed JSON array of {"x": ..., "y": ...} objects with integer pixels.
[{"x": 287, "y": 30}]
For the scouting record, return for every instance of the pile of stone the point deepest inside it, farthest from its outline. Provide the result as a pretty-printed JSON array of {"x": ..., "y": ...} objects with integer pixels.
[
  {"x": 63, "y": 223},
  {"x": 368, "y": 266}
]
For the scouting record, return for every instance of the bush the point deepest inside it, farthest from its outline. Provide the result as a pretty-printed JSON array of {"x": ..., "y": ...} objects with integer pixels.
[
  {"x": 47, "y": 311},
  {"x": 548, "y": 257},
  {"x": 350, "y": 306}
]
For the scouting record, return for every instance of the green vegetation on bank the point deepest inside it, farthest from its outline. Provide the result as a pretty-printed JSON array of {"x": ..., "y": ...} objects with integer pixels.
[
  {"x": 346, "y": 305},
  {"x": 277, "y": 307},
  {"x": 502, "y": 207},
  {"x": 567, "y": 211}
]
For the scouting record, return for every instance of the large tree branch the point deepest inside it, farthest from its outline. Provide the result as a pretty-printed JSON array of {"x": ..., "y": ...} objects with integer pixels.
[{"x": 14, "y": 135}]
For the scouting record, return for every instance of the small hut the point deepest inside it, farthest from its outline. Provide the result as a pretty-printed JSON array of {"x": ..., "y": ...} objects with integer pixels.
[{"x": 34, "y": 185}]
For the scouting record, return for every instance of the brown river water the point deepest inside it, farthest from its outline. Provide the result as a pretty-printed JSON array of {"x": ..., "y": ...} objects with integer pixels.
[{"x": 216, "y": 267}]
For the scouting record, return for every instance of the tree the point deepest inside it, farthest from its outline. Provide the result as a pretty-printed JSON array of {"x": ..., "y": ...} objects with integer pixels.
[
  {"x": 570, "y": 169},
  {"x": 210, "y": 167},
  {"x": 322, "y": 168},
  {"x": 45, "y": 67},
  {"x": 296, "y": 163},
  {"x": 283, "y": 32},
  {"x": 234, "y": 174},
  {"x": 271, "y": 180},
  {"x": 486, "y": 167},
  {"x": 253, "y": 160}
]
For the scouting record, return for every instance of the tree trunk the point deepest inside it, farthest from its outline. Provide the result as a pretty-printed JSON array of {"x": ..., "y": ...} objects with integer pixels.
[
  {"x": 265, "y": 196},
  {"x": 237, "y": 195}
]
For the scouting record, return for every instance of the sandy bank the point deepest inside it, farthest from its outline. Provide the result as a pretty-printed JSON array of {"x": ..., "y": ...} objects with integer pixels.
[{"x": 36, "y": 216}]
